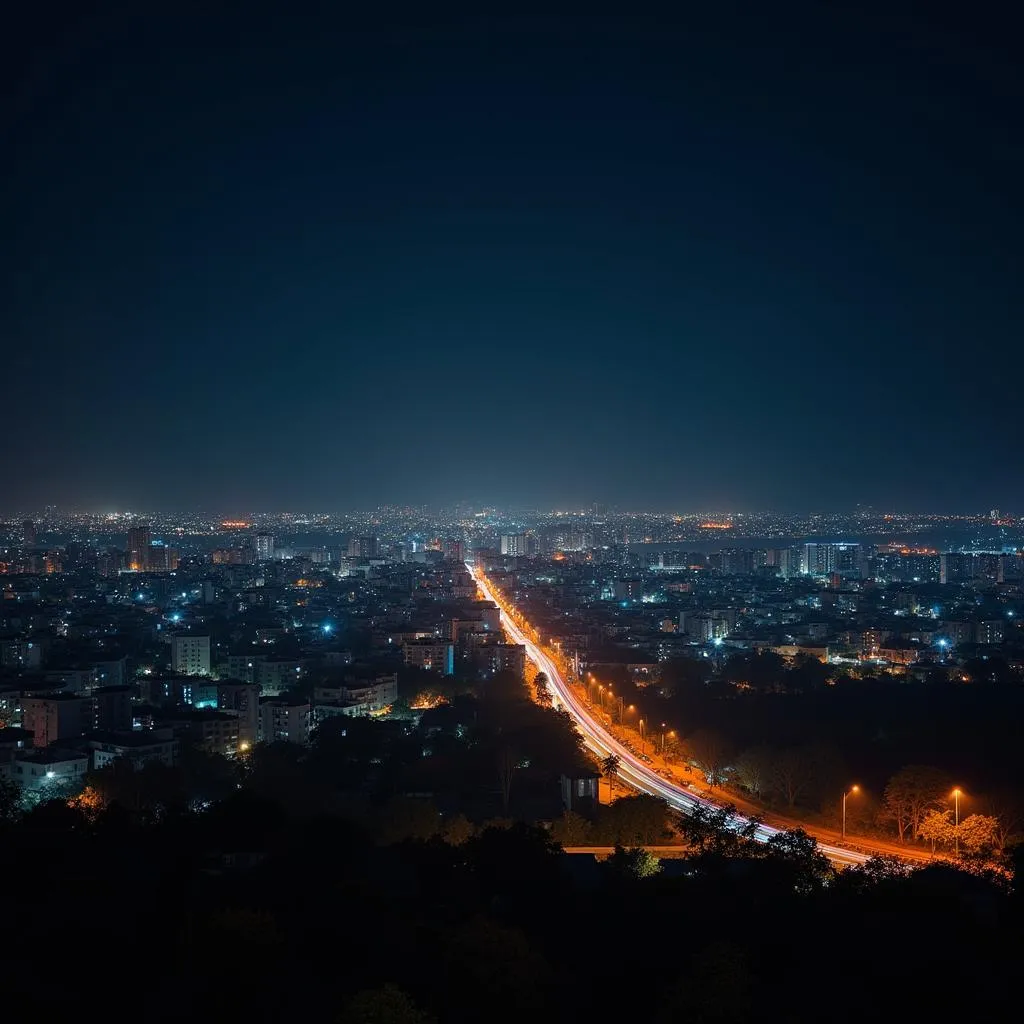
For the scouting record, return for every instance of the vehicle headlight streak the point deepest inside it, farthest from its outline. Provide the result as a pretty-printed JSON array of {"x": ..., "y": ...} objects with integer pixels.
[{"x": 602, "y": 743}]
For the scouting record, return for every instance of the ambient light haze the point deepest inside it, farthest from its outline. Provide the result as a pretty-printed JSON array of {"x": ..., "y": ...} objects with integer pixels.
[{"x": 766, "y": 258}]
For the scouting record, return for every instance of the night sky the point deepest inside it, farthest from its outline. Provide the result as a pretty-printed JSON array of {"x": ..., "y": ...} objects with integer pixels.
[{"x": 736, "y": 260}]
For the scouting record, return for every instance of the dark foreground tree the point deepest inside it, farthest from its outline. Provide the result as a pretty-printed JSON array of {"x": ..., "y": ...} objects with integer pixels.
[{"x": 385, "y": 1005}]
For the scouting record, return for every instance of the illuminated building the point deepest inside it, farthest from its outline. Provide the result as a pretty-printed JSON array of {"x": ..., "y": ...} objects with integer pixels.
[
  {"x": 785, "y": 560},
  {"x": 628, "y": 590},
  {"x": 989, "y": 632},
  {"x": 283, "y": 721},
  {"x": 28, "y": 531},
  {"x": 431, "y": 655},
  {"x": 833, "y": 557},
  {"x": 242, "y": 700},
  {"x": 453, "y": 550},
  {"x": 264, "y": 547},
  {"x": 514, "y": 544},
  {"x": 504, "y": 657},
  {"x": 138, "y": 548},
  {"x": 190, "y": 655},
  {"x": 48, "y": 771},
  {"x": 160, "y": 558},
  {"x": 363, "y": 547}
]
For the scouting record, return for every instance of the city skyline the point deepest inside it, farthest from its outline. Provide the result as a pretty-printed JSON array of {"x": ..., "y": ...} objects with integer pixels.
[
  {"x": 708, "y": 262},
  {"x": 481, "y": 486}
]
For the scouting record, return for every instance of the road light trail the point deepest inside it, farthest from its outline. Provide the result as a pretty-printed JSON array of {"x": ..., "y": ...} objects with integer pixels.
[{"x": 602, "y": 743}]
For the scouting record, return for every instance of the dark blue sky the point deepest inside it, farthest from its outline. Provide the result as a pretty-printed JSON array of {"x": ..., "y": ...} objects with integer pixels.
[{"x": 734, "y": 259}]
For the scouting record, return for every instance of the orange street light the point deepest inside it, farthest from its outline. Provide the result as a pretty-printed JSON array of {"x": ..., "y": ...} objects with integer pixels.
[{"x": 853, "y": 789}]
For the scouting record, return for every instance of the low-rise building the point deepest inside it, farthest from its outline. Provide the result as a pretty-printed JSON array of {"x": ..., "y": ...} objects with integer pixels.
[
  {"x": 377, "y": 693},
  {"x": 284, "y": 721},
  {"x": 50, "y": 772},
  {"x": 215, "y": 731},
  {"x": 136, "y": 747}
]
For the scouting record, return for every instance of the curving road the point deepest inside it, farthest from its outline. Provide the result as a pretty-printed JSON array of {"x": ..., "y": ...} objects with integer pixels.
[{"x": 637, "y": 774}]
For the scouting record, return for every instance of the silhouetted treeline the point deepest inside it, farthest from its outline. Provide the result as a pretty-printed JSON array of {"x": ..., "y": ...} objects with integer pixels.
[{"x": 247, "y": 911}]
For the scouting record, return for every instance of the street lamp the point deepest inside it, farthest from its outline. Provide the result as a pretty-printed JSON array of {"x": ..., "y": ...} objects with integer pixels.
[
  {"x": 853, "y": 789},
  {"x": 956, "y": 830}
]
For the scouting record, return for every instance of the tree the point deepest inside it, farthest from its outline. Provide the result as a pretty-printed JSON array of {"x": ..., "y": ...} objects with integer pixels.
[
  {"x": 910, "y": 793},
  {"x": 717, "y": 830},
  {"x": 507, "y": 765},
  {"x": 753, "y": 770},
  {"x": 710, "y": 752},
  {"x": 685, "y": 675},
  {"x": 89, "y": 802},
  {"x": 800, "y": 851},
  {"x": 633, "y": 864},
  {"x": 540, "y": 683},
  {"x": 407, "y": 817},
  {"x": 808, "y": 673},
  {"x": 497, "y": 967},
  {"x": 761, "y": 670},
  {"x": 792, "y": 772},
  {"x": 978, "y": 835},
  {"x": 385, "y": 1005},
  {"x": 717, "y": 989},
  {"x": 937, "y": 828},
  {"x": 571, "y": 829},
  {"x": 634, "y": 820},
  {"x": 874, "y": 871},
  {"x": 458, "y": 829},
  {"x": 1008, "y": 810},
  {"x": 610, "y": 767},
  {"x": 10, "y": 801}
]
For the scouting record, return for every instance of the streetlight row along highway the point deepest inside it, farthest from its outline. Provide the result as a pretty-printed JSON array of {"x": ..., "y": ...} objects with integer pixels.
[{"x": 600, "y": 742}]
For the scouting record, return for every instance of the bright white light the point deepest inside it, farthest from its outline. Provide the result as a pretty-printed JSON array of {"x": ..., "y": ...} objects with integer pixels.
[
  {"x": 50, "y": 775},
  {"x": 718, "y": 641},
  {"x": 327, "y": 627}
]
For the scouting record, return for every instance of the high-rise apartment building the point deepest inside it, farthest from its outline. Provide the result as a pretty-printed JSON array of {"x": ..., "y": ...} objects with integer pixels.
[
  {"x": 823, "y": 559},
  {"x": 514, "y": 544},
  {"x": 190, "y": 655},
  {"x": 363, "y": 547},
  {"x": 264, "y": 547},
  {"x": 138, "y": 548},
  {"x": 453, "y": 550},
  {"x": 28, "y": 533}
]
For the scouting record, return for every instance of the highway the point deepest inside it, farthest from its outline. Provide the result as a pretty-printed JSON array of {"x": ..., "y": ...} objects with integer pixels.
[{"x": 631, "y": 769}]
